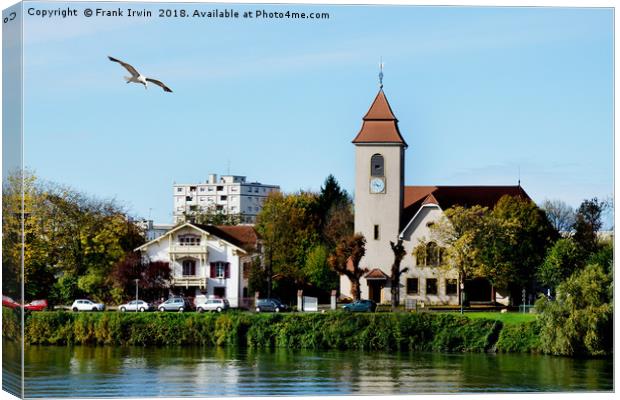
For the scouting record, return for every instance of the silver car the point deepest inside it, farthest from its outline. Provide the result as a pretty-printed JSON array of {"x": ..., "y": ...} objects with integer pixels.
[
  {"x": 174, "y": 304},
  {"x": 218, "y": 305},
  {"x": 134, "y": 305}
]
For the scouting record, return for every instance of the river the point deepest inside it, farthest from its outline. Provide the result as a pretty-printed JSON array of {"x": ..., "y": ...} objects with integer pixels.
[{"x": 83, "y": 371}]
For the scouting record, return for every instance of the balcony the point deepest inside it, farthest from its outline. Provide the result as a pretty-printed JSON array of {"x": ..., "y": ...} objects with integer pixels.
[
  {"x": 189, "y": 280},
  {"x": 178, "y": 249}
]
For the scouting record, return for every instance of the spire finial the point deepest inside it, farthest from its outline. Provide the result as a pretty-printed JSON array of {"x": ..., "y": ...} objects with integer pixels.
[{"x": 381, "y": 73}]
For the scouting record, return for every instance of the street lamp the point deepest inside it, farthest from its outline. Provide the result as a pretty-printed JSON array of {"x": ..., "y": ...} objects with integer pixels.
[
  {"x": 462, "y": 297},
  {"x": 137, "y": 280}
]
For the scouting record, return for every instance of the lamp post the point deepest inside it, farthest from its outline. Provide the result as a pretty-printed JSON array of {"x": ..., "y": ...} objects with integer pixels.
[
  {"x": 462, "y": 285},
  {"x": 137, "y": 280}
]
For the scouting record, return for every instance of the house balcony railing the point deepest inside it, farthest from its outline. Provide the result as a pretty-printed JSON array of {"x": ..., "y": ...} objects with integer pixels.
[
  {"x": 189, "y": 280},
  {"x": 176, "y": 248}
]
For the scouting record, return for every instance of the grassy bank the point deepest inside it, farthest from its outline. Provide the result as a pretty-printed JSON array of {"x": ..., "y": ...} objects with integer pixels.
[{"x": 336, "y": 330}]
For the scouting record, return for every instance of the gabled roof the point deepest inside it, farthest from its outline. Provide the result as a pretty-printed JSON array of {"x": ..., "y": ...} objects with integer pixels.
[
  {"x": 243, "y": 237},
  {"x": 448, "y": 196},
  {"x": 376, "y": 274},
  {"x": 380, "y": 125}
]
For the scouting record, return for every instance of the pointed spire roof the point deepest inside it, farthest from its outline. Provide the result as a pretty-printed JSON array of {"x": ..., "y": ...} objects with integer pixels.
[{"x": 380, "y": 125}]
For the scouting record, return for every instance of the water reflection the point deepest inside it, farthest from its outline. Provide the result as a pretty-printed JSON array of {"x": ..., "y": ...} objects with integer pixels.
[{"x": 84, "y": 371}]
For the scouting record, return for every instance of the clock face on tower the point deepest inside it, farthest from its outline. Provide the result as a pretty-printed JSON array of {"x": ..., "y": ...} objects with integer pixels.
[{"x": 377, "y": 185}]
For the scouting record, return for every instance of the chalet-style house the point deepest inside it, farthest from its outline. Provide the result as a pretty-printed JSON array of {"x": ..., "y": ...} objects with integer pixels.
[
  {"x": 207, "y": 259},
  {"x": 386, "y": 210}
]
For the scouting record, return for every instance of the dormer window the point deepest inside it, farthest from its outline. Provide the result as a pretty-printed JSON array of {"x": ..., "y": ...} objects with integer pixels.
[{"x": 189, "y": 240}]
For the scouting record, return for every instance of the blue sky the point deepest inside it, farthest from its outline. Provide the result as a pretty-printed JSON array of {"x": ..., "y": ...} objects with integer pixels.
[{"x": 482, "y": 94}]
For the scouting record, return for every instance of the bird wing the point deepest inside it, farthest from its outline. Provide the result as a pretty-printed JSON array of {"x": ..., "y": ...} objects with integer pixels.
[
  {"x": 128, "y": 67},
  {"x": 159, "y": 83}
]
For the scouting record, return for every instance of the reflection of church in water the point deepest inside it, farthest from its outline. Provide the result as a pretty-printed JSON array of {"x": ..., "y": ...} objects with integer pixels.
[{"x": 386, "y": 209}]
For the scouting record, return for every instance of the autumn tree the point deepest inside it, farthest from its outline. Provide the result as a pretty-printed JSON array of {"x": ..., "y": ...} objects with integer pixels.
[
  {"x": 289, "y": 227},
  {"x": 399, "y": 253},
  {"x": 346, "y": 259}
]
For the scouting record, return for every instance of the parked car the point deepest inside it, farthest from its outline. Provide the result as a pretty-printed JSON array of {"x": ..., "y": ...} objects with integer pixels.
[
  {"x": 175, "y": 304},
  {"x": 218, "y": 305},
  {"x": 361, "y": 306},
  {"x": 86, "y": 305},
  {"x": 270, "y": 305},
  {"x": 36, "y": 305},
  {"x": 134, "y": 305},
  {"x": 9, "y": 302}
]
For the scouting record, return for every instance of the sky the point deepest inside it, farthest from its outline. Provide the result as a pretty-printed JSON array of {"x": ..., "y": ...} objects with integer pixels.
[{"x": 484, "y": 96}]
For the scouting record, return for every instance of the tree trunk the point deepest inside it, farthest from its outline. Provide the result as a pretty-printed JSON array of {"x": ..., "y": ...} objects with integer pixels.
[
  {"x": 395, "y": 296},
  {"x": 355, "y": 289}
]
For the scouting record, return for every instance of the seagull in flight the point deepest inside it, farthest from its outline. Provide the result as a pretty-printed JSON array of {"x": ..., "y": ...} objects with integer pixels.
[{"x": 137, "y": 77}]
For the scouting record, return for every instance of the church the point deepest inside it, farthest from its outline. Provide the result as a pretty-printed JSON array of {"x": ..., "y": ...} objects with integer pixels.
[{"x": 386, "y": 210}]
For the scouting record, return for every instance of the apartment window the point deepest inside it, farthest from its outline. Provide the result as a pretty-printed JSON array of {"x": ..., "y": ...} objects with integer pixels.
[
  {"x": 179, "y": 189},
  {"x": 202, "y": 189},
  {"x": 412, "y": 285},
  {"x": 192, "y": 188},
  {"x": 193, "y": 208},
  {"x": 451, "y": 287},
  {"x": 431, "y": 286},
  {"x": 189, "y": 267},
  {"x": 223, "y": 198},
  {"x": 188, "y": 198},
  {"x": 233, "y": 189},
  {"x": 220, "y": 188},
  {"x": 376, "y": 235},
  {"x": 255, "y": 190},
  {"x": 210, "y": 189},
  {"x": 219, "y": 207}
]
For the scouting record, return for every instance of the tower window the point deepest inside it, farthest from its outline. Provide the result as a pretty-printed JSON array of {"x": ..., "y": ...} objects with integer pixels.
[
  {"x": 376, "y": 232},
  {"x": 376, "y": 165}
]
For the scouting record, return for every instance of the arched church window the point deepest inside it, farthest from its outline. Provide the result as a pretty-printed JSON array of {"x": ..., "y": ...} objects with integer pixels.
[
  {"x": 433, "y": 254},
  {"x": 376, "y": 165}
]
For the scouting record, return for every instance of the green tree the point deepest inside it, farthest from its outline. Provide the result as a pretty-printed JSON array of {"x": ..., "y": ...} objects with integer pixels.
[
  {"x": 346, "y": 258},
  {"x": 210, "y": 216},
  {"x": 528, "y": 235},
  {"x": 317, "y": 269},
  {"x": 580, "y": 320},
  {"x": 399, "y": 253},
  {"x": 289, "y": 227},
  {"x": 257, "y": 281},
  {"x": 562, "y": 260}
]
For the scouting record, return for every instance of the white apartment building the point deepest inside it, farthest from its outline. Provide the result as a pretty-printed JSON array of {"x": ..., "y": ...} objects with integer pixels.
[{"x": 231, "y": 194}]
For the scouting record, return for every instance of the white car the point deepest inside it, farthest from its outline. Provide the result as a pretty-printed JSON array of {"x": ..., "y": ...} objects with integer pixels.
[
  {"x": 86, "y": 305},
  {"x": 140, "y": 305},
  {"x": 218, "y": 305}
]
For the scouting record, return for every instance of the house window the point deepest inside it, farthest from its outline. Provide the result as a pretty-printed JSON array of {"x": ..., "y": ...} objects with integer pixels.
[
  {"x": 412, "y": 285},
  {"x": 220, "y": 269},
  {"x": 376, "y": 165},
  {"x": 189, "y": 240},
  {"x": 451, "y": 286},
  {"x": 376, "y": 232},
  {"x": 431, "y": 286},
  {"x": 179, "y": 189},
  {"x": 189, "y": 267}
]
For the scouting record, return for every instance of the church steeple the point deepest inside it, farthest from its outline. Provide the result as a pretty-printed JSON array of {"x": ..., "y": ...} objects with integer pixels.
[{"x": 380, "y": 125}]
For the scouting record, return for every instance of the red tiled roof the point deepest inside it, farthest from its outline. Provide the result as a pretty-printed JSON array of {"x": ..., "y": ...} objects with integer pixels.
[
  {"x": 449, "y": 196},
  {"x": 376, "y": 273},
  {"x": 243, "y": 236},
  {"x": 380, "y": 125}
]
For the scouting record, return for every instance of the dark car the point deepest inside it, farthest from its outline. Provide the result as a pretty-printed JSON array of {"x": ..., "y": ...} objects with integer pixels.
[
  {"x": 274, "y": 305},
  {"x": 175, "y": 304},
  {"x": 361, "y": 306}
]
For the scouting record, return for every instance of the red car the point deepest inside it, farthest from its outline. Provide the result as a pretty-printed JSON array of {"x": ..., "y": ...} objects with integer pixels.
[
  {"x": 36, "y": 305},
  {"x": 9, "y": 302}
]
